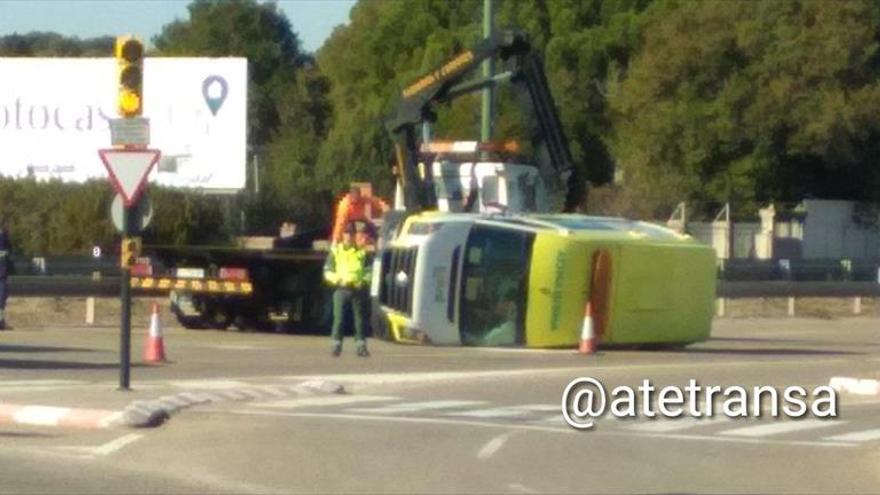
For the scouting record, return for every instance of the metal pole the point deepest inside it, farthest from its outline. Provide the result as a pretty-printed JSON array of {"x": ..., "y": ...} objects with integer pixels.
[
  {"x": 125, "y": 322},
  {"x": 488, "y": 71}
]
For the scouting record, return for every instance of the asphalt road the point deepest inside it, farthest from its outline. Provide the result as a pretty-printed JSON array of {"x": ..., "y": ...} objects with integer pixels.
[{"x": 438, "y": 420}]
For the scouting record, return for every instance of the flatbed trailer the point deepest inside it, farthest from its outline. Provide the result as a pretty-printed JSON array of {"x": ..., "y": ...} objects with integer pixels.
[{"x": 219, "y": 287}]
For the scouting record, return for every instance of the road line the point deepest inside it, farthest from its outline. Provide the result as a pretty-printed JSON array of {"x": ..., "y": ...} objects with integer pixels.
[
  {"x": 208, "y": 384},
  {"x": 409, "y": 407},
  {"x": 539, "y": 407},
  {"x": 783, "y": 427},
  {"x": 494, "y": 445},
  {"x": 401, "y": 419},
  {"x": 856, "y": 436},
  {"x": 664, "y": 425},
  {"x": 323, "y": 401},
  {"x": 495, "y": 412},
  {"x": 115, "y": 445},
  {"x": 545, "y": 429},
  {"x": 402, "y": 378},
  {"x": 40, "y": 415},
  {"x": 520, "y": 488}
]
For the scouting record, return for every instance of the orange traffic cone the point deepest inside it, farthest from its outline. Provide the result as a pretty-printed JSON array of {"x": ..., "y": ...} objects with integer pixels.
[
  {"x": 154, "y": 351},
  {"x": 588, "y": 336}
]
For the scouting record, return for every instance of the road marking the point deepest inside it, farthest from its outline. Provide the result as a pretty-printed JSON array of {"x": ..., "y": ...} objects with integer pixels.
[
  {"x": 538, "y": 407},
  {"x": 39, "y": 385},
  {"x": 18, "y": 383},
  {"x": 115, "y": 445},
  {"x": 779, "y": 428},
  {"x": 40, "y": 415},
  {"x": 494, "y": 445},
  {"x": 425, "y": 377},
  {"x": 856, "y": 436},
  {"x": 208, "y": 384},
  {"x": 520, "y": 488},
  {"x": 539, "y": 428},
  {"x": 663, "y": 425},
  {"x": 409, "y": 407},
  {"x": 495, "y": 412},
  {"x": 401, "y": 419},
  {"x": 323, "y": 401}
]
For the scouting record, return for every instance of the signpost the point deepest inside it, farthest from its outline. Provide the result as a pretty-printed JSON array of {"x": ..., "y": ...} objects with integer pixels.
[{"x": 128, "y": 166}]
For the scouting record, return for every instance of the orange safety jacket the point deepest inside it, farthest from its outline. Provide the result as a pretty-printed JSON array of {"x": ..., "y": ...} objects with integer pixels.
[{"x": 367, "y": 208}]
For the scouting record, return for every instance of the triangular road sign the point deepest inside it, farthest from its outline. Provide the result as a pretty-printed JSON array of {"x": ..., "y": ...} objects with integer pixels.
[{"x": 128, "y": 170}]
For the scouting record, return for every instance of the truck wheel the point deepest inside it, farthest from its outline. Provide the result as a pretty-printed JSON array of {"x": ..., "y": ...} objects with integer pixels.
[
  {"x": 218, "y": 318},
  {"x": 191, "y": 323}
]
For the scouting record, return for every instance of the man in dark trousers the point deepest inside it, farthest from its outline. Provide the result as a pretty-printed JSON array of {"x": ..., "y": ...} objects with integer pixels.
[
  {"x": 348, "y": 269},
  {"x": 5, "y": 268}
]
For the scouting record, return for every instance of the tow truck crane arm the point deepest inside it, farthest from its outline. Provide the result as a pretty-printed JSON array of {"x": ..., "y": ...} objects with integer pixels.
[{"x": 444, "y": 84}]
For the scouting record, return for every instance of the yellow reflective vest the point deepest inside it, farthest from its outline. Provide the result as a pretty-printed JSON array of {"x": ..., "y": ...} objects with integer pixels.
[{"x": 347, "y": 266}]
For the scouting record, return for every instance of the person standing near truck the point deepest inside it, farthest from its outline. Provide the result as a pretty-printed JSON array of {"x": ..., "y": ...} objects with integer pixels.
[
  {"x": 5, "y": 268},
  {"x": 348, "y": 269},
  {"x": 356, "y": 206}
]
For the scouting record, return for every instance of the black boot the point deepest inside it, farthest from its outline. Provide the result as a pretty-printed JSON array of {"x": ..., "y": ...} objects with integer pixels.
[{"x": 337, "y": 350}]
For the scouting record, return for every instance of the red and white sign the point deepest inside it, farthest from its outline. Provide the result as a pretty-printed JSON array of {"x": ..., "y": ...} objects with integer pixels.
[{"x": 128, "y": 169}]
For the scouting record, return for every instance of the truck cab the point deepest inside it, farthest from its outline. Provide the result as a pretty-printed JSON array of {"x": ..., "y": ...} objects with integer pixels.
[{"x": 462, "y": 183}]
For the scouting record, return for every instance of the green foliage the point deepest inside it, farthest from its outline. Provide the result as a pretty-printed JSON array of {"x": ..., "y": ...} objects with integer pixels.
[
  {"x": 37, "y": 44},
  {"x": 713, "y": 101},
  {"x": 750, "y": 102}
]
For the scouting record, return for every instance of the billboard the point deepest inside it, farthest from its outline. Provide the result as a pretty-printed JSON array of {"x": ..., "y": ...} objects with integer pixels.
[{"x": 54, "y": 116}]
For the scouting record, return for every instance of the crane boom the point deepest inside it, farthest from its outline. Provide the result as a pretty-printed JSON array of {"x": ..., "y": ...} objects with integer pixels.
[{"x": 445, "y": 83}]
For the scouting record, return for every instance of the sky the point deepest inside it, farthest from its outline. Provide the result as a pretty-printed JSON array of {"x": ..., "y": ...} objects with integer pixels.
[{"x": 313, "y": 20}]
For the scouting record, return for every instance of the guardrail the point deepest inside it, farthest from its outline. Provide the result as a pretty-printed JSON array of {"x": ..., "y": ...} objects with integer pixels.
[{"x": 81, "y": 286}]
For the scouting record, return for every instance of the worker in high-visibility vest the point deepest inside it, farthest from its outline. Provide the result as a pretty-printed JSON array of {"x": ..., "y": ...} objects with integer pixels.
[
  {"x": 5, "y": 268},
  {"x": 356, "y": 206},
  {"x": 348, "y": 269}
]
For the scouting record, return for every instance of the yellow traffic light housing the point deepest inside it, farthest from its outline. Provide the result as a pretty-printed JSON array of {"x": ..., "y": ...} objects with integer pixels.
[
  {"x": 131, "y": 251},
  {"x": 130, "y": 65}
]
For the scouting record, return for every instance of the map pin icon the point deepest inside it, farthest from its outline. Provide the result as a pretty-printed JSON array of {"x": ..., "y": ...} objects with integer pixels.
[{"x": 215, "y": 89}]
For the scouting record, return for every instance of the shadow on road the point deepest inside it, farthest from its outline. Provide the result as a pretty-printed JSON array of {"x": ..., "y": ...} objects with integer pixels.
[
  {"x": 36, "y": 348},
  {"x": 26, "y": 434},
  {"x": 768, "y": 340},
  {"x": 767, "y": 352},
  {"x": 24, "y": 364}
]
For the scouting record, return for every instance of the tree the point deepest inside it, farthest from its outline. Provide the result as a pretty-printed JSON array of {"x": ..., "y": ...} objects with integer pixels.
[
  {"x": 750, "y": 102},
  {"x": 242, "y": 28},
  {"x": 288, "y": 111}
]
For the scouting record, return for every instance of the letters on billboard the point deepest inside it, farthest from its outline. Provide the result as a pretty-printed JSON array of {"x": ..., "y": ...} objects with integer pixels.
[{"x": 54, "y": 116}]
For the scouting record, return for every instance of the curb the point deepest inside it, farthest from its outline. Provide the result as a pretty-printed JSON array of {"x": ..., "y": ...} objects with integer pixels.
[
  {"x": 63, "y": 417},
  {"x": 152, "y": 413},
  {"x": 855, "y": 386}
]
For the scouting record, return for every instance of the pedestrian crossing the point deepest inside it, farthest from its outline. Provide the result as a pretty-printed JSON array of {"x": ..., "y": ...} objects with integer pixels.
[{"x": 838, "y": 432}]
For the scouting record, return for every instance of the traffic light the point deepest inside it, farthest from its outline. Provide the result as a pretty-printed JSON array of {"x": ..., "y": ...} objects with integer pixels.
[
  {"x": 131, "y": 251},
  {"x": 130, "y": 65}
]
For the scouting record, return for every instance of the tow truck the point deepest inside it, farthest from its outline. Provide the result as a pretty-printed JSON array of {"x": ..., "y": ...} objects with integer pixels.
[{"x": 451, "y": 273}]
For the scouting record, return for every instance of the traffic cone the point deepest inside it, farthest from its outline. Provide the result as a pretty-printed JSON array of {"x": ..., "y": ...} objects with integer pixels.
[
  {"x": 154, "y": 351},
  {"x": 588, "y": 336}
]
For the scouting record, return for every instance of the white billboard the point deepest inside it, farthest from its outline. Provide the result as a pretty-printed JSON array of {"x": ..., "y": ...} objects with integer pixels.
[{"x": 54, "y": 116}]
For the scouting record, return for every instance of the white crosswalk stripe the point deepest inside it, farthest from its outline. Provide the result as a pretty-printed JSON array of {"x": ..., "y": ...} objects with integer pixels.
[
  {"x": 498, "y": 412},
  {"x": 665, "y": 425},
  {"x": 856, "y": 436},
  {"x": 778, "y": 428},
  {"x": 335, "y": 400},
  {"x": 411, "y": 407},
  {"x": 720, "y": 428}
]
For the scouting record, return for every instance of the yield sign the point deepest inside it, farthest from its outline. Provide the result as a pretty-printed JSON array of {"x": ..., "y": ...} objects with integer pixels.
[{"x": 128, "y": 170}]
